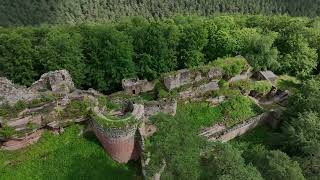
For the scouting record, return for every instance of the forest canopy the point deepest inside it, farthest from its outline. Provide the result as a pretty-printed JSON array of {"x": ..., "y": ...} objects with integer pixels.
[
  {"x": 31, "y": 12},
  {"x": 101, "y": 55}
]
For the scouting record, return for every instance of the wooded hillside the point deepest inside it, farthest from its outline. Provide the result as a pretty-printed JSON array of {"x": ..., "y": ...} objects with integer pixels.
[{"x": 31, "y": 12}]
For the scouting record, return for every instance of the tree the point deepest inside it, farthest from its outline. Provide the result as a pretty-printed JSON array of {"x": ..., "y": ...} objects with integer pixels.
[
  {"x": 225, "y": 162},
  {"x": 301, "y": 132},
  {"x": 16, "y": 58},
  {"x": 155, "y": 48},
  {"x": 273, "y": 164},
  {"x": 259, "y": 51},
  {"x": 179, "y": 149},
  {"x": 108, "y": 55},
  {"x": 192, "y": 41},
  {"x": 61, "y": 49}
]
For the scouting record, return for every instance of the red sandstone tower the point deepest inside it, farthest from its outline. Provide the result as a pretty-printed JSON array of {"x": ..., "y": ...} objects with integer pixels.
[
  {"x": 120, "y": 144},
  {"x": 118, "y": 137}
]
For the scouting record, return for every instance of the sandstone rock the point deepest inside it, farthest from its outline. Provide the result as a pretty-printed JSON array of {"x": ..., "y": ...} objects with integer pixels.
[{"x": 12, "y": 145}]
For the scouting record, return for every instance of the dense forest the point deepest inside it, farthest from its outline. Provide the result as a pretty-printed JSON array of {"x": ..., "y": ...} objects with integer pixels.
[
  {"x": 101, "y": 55},
  {"x": 31, "y": 12}
]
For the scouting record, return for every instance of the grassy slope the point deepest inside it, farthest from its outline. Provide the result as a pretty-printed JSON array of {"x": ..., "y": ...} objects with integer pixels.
[{"x": 68, "y": 156}]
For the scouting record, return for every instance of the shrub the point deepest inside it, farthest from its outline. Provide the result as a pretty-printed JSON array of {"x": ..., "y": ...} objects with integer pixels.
[
  {"x": 231, "y": 66},
  {"x": 243, "y": 85},
  {"x": 262, "y": 87},
  {"x": 238, "y": 109}
]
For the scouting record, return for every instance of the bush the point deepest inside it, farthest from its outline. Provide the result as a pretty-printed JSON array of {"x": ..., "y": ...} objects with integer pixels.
[
  {"x": 231, "y": 66},
  {"x": 243, "y": 85},
  {"x": 261, "y": 87},
  {"x": 238, "y": 109}
]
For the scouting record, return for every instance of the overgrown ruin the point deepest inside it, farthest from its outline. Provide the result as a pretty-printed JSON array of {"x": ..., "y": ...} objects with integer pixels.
[{"x": 120, "y": 121}]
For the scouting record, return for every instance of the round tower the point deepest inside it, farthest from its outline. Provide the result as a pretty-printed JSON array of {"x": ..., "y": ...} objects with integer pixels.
[{"x": 117, "y": 134}]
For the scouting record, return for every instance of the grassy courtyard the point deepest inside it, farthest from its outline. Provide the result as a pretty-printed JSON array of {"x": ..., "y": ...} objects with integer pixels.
[{"x": 68, "y": 156}]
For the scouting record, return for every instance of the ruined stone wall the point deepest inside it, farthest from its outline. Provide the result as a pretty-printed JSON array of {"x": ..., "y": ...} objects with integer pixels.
[
  {"x": 189, "y": 76},
  {"x": 198, "y": 91},
  {"x": 166, "y": 106},
  {"x": 225, "y": 135},
  {"x": 136, "y": 86},
  {"x": 55, "y": 82},
  {"x": 12, "y": 93}
]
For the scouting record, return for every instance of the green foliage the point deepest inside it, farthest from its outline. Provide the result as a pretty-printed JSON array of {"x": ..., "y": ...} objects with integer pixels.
[
  {"x": 7, "y": 132},
  {"x": 179, "y": 149},
  {"x": 201, "y": 114},
  {"x": 262, "y": 87},
  {"x": 61, "y": 49},
  {"x": 29, "y": 12},
  {"x": 222, "y": 83},
  {"x": 68, "y": 156},
  {"x": 108, "y": 55},
  {"x": 260, "y": 51},
  {"x": 301, "y": 132},
  {"x": 16, "y": 58},
  {"x": 105, "y": 101},
  {"x": 231, "y": 66},
  {"x": 242, "y": 85},
  {"x": 225, "y": 162},
  {"x": 9, "y": 111},
  {"x": 194, "y": 37},
  {"x": 274, "y": 164},
  {"x": 99, "y": 56},
  {"x": 75, "y": 109},
  {"x": 238, "y": 109}
]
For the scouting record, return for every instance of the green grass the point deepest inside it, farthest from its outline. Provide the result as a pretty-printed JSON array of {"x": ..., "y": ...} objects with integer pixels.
[
  {"x": 68, "y": 156},
  {"x": 201, "y": 114}
]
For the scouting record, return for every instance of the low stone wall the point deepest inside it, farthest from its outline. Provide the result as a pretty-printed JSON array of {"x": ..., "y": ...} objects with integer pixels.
[
  {"x": 225, "y": 135},
  {"x": 166, "y": 106}
]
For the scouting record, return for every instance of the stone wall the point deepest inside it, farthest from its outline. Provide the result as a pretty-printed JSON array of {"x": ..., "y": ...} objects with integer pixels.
[
  {"x": 136, "y": 86},
  {"x": 224, "y": 135},
  {"x": 189, "y": 76},
  {"x": 166, "y": 106},
  {"x": 59, "y": 82},
  {"x": 12, "y": 93},
  {"x": 198, "y": 91}
]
